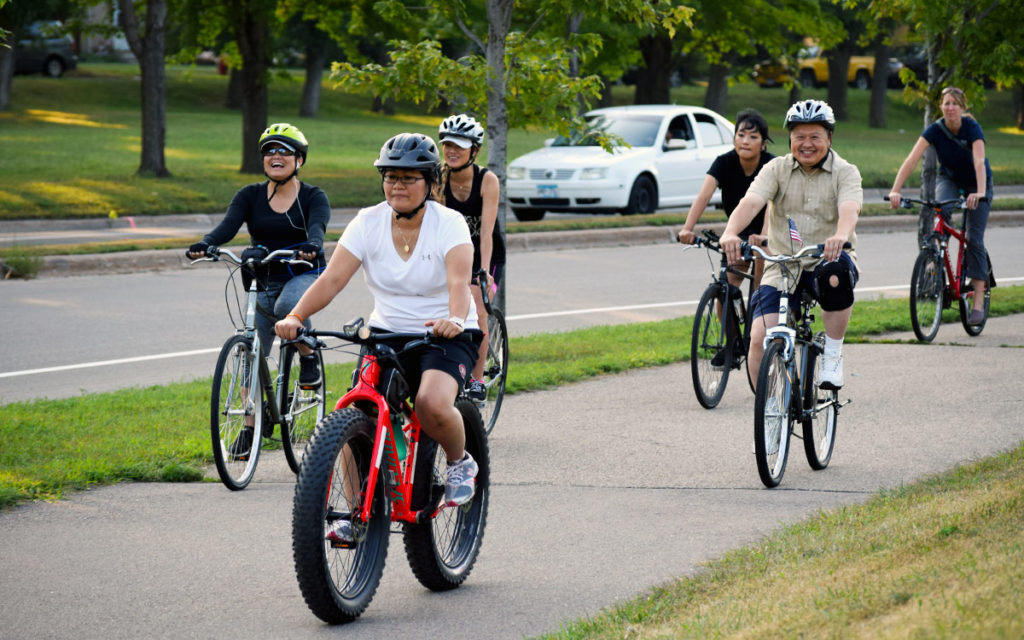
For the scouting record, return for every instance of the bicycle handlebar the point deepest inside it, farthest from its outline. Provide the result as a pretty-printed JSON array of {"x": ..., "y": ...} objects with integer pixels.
[
  {"x": 287, "y": 256},
  {"x": 357, "y": 332},
  {"x": 810, "y": 251},
  {"x": 958, "y": 203}
]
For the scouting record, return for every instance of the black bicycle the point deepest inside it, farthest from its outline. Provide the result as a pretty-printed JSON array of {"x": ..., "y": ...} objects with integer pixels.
[
  {"x": 496, "y": 365},
  {"x": 247, "y": 400},
  {"x": 721, "y": 329}
]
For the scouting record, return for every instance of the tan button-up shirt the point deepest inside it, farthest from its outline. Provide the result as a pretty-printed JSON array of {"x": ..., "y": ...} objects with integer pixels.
[{"x": 810, "y": 200}]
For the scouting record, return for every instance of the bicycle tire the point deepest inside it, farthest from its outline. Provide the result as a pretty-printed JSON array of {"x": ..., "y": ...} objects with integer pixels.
[
  {"x": 927, "y": 286},
  {"x": 301, "y": 409},
  {"x": 442, "y": 551},
  {"x": 967, "y": 303},
  {"x": 708, "y": 340},
  {"x": 773, "y": 415},
  {"x": 237, "y": 366},
  {"x": 339, "y": 583},
  {"x": 495, "y": 368},
  {"x": 820, "y": 415}
]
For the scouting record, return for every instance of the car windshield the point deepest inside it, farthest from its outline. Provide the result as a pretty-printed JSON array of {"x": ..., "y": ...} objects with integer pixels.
[{"x": 635, "y": 130}]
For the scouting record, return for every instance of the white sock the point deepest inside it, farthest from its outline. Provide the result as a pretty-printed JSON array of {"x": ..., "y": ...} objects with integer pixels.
[{"x": 833, "y": 346}]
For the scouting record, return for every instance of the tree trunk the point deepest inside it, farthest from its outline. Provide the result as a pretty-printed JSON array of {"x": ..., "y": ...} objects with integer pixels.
[
  {"x": 606, "y": 93},
  {"x": 718, "y": 85},
  {"x": 838, "y": 68},
  {"x": 879, "y": 86},
  {"x": 1018, "y": 104},
  {"x": 252, "y": 33},
  {"x": 233, "y": 99},
  {"x": 6, "y": 71},
  {"x": 149, "y": 50},
  {"x": 652, "y": 83},
  {"x": 316, "y": 55},
  {"x": 795, "y": 92},
  {"x": 499, "y": 19},
  {"x": 573, "y": 28}
]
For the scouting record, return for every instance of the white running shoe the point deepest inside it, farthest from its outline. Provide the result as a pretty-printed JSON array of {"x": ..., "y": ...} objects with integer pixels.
[
  {"x": 831, "y": 371},
  {"x": 460, "y": 481}
]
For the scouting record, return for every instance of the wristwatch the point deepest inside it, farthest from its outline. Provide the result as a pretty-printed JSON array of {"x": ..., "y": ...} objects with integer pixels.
[{"x": 459, "y": 321}]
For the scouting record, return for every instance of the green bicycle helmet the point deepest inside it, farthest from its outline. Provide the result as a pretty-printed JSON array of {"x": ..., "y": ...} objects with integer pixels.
[{"x": 287, "y": 135}]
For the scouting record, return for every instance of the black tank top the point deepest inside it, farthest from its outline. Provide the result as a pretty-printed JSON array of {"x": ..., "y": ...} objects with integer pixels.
[{"x": 472, "y": 210}]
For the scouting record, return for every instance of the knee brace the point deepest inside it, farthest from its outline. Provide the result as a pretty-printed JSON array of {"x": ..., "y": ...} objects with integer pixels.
[{"x": 840, "y": 296}]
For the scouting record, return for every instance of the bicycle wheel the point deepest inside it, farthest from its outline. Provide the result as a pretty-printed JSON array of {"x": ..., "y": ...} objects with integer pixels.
[
  {"x": 495, "y": 368},
  {"x": 773, "y": 418},
  {"x": 820, "y": 415},
  {"x": 707, "y": 342},
  {"x": 442, "y": 551},
  {"x": 967, "y": 302},
  {"x": 927, "y": 283},
  {"x": 301, "y": 409},
  {"x": 236, "y": 399},
  {"x": 338, "y": 583}
]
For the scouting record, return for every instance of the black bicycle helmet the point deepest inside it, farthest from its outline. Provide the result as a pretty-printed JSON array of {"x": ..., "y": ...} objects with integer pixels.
[
  {"x": 287, "y": 135},
  {"x": 810, "y": 112},
  {"x": 410, "y": 151},
  {"x": 461, "y": 128}
]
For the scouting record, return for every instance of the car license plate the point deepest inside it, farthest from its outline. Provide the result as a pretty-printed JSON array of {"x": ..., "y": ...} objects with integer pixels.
[{"x": 547, "y": 191}]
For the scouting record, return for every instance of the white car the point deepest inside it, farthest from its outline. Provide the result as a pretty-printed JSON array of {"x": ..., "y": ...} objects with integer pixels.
[{"x": 670, "y": 150}]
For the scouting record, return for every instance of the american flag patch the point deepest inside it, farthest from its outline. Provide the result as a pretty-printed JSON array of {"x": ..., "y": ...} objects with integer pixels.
[{"x": 794, "y": 233}]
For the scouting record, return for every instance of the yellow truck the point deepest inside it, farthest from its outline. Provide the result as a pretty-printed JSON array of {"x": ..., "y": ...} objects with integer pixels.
[{"x": 812, "y": 70}]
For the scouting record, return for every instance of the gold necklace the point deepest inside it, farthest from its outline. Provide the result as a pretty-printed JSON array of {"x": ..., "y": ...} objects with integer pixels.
[{"x": 404, "y": 239}]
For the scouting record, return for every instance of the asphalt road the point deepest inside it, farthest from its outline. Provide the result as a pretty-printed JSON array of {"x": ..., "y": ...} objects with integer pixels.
[{"x": 65, "y": 336}]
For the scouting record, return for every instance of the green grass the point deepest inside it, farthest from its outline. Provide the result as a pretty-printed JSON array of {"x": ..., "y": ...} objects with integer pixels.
[
  {"x": 49, "y": 447},
  {"x": 72, "y": 145},
  {"x": 941, "y": 558}
]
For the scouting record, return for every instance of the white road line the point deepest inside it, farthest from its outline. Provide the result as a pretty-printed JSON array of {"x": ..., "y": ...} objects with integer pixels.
[{"x": 525, "y": 316}]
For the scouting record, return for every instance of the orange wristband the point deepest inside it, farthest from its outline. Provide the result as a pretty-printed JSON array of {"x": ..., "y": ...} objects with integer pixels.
[{"x": 295, "y": 315}]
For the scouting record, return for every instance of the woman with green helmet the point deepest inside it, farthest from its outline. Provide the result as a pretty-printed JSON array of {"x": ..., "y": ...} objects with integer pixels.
[{"x": 279, "y": 213}]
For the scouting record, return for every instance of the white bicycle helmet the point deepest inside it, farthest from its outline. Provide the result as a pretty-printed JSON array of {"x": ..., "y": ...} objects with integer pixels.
[
  {"x": 810, "y": 112},
  {"x": 462, "y": 129}
]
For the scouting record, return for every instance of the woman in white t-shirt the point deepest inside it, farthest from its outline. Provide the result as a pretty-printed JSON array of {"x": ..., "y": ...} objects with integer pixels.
[{"x": 416, "y": 257}]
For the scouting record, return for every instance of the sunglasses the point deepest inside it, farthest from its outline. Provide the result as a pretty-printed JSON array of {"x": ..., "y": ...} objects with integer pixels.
[
  {"x": 953, "y": 90},
  {"x": 278, "y": 151},
  {"x": 406, "y": 180}
]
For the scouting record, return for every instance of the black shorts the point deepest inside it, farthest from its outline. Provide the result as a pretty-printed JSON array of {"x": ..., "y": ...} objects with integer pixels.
[{"x": 454, "y": 357}]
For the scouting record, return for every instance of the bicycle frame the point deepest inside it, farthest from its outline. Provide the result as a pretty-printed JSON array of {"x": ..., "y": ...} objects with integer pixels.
[
  {"x": 941, "y": 231},
  {"x": 385, "y": 439}
]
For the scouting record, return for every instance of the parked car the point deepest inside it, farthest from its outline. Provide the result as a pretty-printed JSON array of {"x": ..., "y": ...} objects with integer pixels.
[
  {"x": 43, "y": 49},
  {"x": 669, "y": 150}
]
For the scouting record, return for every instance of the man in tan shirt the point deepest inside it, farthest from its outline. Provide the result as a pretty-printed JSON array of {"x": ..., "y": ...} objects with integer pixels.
[{"x": 816, "y": 198}]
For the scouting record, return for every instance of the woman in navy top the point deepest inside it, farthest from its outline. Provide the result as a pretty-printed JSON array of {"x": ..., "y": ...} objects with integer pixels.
[{"x": 960, "y": 147}]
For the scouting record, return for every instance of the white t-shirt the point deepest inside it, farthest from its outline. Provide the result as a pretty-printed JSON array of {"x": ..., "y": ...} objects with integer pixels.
[{"x": 407, "y": 293}]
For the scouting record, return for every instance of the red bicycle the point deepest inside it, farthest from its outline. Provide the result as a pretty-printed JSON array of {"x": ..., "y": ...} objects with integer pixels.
[
  {"x": 934, "y": 284},
  {"x": 369, "y": 463}
]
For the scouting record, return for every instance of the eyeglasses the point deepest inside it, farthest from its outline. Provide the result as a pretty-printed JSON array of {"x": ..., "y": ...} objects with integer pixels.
[
  {"x": 953, "y": 90},
  {"x": 278, "y": 151},
  {"x": 406, "y": 180}
]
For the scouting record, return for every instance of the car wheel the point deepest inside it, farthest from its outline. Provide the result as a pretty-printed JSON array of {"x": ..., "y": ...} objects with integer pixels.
[
  {"x": 527, "y": 215},
  {"x": 807, "y": 79},
  {"x": 643, "y": 198},
  {"x": 862, "y": 81},
  {"x": 54, "y": 67}
]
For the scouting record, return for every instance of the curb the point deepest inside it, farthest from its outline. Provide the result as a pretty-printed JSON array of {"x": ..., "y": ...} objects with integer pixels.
[{"x": 159, "y": 260}]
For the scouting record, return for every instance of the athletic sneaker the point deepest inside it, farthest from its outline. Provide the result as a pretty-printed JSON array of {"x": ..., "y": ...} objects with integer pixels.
[
  {"x": 240, "y": 448},
  {"x": 460, "y": 481},
  {"x": 477, "y": 390},
  {"x": 309, "y": 372},
  {"x": 976, "y": 317},
  {"x": 831, "y": 371},
  {"x": 340, "y": 536},
  {"x": 718, "y": 362}
]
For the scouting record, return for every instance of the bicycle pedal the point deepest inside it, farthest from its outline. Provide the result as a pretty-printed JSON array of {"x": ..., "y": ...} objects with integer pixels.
[{"x": 341, "y": 544}]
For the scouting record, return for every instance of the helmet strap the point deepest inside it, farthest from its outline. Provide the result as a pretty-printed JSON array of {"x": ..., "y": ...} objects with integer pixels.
[{"x": 409, "y": 215}]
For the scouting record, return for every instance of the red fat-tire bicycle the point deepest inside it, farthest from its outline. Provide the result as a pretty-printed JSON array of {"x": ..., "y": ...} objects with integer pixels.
[{"x": 369, "y": 463}]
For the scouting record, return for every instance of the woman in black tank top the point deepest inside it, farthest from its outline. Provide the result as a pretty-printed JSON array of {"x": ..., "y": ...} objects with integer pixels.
[{"x": 473, "y": 191}]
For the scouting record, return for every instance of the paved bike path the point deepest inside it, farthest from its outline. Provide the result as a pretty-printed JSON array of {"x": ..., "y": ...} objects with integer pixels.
[{"x": 601, "y": 490}]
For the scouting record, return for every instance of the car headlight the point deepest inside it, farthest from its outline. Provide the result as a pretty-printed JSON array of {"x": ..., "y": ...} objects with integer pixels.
[
  {"x": 516, "y": 173},
  {"x": 594, "y": 173}
]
